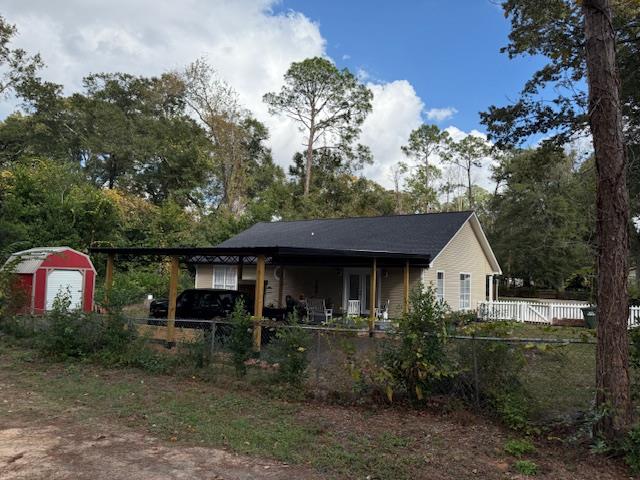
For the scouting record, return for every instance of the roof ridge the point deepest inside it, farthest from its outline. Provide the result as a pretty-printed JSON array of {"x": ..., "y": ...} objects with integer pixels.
[{"x": 397, "y": 215}]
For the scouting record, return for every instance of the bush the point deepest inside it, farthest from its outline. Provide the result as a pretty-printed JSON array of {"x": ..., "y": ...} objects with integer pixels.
[
  {"x": 13, "y": 297},
  {"x": 415, "y": 363},
  {"x": 460, "y": 319},
  {"x": 240, "y": 340},
  {"x": 499, "y": 365},
  {"x": 289, "y": 351},
  {"x": 634, "y": 351},
  {"x": 631, "y": 450},
  {"x": 107, "y": 340}
]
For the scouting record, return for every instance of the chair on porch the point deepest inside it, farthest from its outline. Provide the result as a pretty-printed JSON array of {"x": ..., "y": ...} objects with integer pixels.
[
  {"x": 353, "y": 308},
  {"x": 382, "y": 313},
  {"x": 317, "y": 311}
]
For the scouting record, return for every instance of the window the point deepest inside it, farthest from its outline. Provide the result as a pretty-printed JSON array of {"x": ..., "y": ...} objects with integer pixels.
[
  {"x": 465, "y": 291},
  {"x": 440, "y": 286},
  {"x": 225, "y": 278}
]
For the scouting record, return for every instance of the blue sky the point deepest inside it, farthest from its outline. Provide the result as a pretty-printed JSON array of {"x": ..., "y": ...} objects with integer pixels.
[{"x": 449, "y": 51}]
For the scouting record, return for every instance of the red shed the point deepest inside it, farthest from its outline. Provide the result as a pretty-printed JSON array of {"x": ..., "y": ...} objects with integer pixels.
[{"x": 43, "y": 273}]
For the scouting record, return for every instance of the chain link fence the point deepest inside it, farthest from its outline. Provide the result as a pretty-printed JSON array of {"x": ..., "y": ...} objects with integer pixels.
[{"x": 552, "y": 369}]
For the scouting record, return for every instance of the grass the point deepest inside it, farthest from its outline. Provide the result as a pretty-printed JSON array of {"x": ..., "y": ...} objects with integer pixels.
[
  {"x": 559, "y": 378},
  {"x": 247, "y": 418},
  {"x": 195, "y": 412}
]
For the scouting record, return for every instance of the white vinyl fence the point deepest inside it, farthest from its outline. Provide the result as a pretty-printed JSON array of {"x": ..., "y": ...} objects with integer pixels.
[{"x": 540, "y": 312}]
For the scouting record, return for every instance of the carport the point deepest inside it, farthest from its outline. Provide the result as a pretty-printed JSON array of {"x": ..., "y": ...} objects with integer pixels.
[{"x": 260, "y": 257}]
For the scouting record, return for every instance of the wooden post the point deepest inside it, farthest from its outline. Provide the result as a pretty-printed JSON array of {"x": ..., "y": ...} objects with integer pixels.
[
  {"x": 173, "y": 293},
  {"x": 405, "y": 289},
  {"x": 372, "y": 297},
  {"x": 108, "y": 277},
  {"x": 259, "y": 304}
]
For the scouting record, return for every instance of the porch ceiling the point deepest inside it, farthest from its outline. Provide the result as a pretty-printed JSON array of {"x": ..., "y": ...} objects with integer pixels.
[{"x": 275, "y": 255}]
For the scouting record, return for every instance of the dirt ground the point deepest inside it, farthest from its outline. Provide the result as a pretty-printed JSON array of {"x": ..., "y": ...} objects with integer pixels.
[{"x": 62, "y": 450}]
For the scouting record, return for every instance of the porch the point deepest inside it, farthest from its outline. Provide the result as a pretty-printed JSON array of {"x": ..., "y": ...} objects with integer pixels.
[{"x": 321, "y": 293}]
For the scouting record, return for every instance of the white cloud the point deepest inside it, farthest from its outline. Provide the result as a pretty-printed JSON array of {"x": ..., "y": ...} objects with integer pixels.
[
  {"x": 249, "y": 45},
  {"x": 244, "y": 40},
  {"x": 396, "y": 111},
  {"x": 440, "y": 114}
]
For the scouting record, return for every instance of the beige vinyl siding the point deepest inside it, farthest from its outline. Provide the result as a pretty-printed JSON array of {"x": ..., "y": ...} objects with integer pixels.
[
  {"x": 204, "y": 276},
  {"x": 464, "y": 254},
  {"x": 392, "y": 287}
]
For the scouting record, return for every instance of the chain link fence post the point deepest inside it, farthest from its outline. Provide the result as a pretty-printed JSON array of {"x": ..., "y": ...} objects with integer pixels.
[
  {"x": 317, "y": 359},
  {"x": 212, "y": 346},
  {"x": 476, "y": 380}
]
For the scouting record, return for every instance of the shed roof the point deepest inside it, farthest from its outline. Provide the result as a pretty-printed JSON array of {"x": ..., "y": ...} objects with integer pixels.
[
  {"x": 28, "y": 261},
  {"x": 421, "y": 234}
]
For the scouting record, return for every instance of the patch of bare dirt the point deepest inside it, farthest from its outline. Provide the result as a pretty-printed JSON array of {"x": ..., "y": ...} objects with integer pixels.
[{"x": 59, "y": 450}]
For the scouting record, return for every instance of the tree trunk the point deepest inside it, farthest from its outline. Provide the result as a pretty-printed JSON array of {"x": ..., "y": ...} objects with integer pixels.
[
  {"x": 307, "y": 170},
  {"x": 470, "y": 192},
  {"x": 605, "y": 119}
]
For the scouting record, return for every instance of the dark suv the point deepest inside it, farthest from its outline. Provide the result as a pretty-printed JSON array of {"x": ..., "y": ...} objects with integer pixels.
[
  {"x": 207, "y": 304},
  {"x": 200, "y": 304}
]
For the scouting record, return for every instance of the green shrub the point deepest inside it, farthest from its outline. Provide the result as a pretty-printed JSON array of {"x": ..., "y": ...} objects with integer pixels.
[
  {"x": 240, "y": 340},
  {"x": 499, "y": 366},
  {"x": 16, "y": 326},
  {"x": 519, "y": 447},
  {"x": 526, "y": 467},
  {"x": 289, "y": 351},
  {"x": 634, "y": 351},
  {"x": 460, "y": 319},
  {"x": 13, "y": 297},
  {"x": 415, "y": 362},
  {"x": 631, "y": 450},
  {"x": 108, "y": 340}
]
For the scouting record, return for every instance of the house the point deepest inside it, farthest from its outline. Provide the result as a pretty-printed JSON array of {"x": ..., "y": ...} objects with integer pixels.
[{"x": 361, "y": 263}]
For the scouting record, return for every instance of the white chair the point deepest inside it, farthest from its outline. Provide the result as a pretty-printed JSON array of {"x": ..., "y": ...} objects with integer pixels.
[
  {"x": 317, "y": 310},
  {"x": 353, "y": 308},
  {"x": 382, "y": 313}
]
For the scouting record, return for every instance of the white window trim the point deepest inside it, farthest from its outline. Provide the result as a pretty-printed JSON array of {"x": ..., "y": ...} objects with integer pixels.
[
  {"x": 226, "y": 286},
  {"x": 444, "y": 277},
  {"x": 460, "y": 291}
]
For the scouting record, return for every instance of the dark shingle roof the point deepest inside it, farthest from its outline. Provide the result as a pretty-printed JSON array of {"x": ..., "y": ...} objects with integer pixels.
[{"x": 425, "y": 234}]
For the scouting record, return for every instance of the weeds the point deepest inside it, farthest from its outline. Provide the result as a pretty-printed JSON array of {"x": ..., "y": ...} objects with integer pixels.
[
  {"x": 526, "y": 467},
  {"x": 519, "y": 447}
]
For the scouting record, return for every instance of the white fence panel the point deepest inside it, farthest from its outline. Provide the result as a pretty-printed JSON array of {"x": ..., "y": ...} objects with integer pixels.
[
  {"x": 634, "y": 317},
  {"x": 540, "y": 312}
]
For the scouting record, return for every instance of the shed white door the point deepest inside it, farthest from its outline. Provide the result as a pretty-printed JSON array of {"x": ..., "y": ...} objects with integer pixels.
[{"x": 63, "y": 281}]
